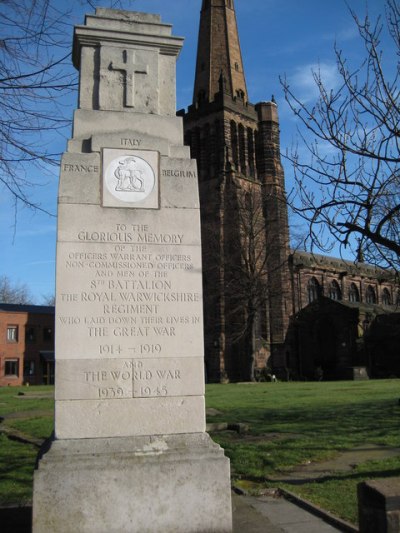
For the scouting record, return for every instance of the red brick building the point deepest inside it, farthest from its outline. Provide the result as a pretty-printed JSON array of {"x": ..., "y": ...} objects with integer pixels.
[{"x": 26, "y": 344}]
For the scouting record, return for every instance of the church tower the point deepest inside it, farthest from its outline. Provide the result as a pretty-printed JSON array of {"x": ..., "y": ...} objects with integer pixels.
[{"x": 243, "y": 207}]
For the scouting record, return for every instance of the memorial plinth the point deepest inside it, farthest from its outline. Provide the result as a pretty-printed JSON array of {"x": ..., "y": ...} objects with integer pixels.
[{"x": 130, "y": 452}]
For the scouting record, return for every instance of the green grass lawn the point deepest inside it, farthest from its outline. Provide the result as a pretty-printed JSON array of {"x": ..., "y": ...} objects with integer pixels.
[
  {"x": 290, "y": 424},
  {"x": 28, "y": 412}
]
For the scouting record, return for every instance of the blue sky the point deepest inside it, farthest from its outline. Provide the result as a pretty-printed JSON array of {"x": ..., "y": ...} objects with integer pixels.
[{"x": 277, "y": 37}]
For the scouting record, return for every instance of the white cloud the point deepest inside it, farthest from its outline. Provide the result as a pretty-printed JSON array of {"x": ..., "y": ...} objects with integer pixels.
[{"x": 303, "y": 84}]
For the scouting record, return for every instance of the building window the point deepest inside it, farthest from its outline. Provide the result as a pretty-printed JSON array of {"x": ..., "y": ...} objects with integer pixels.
[
  {"x": 29, "y": 368},
  {"x": 12, "y": 333},
  {"x": 48, "y": 334},
  {"x": 11, "y": 367},
  {"x": 334, "y": 291},
  {"x": 386, "y": 299},
  {"x": 235, "y": 144},
  {"x": 370, "y": 296},
  {"x": 313, "y": 289},
  {"x": 30, "y": 334},
  {"x": 354, "y": 295},
  {"x": 250, "y": 151},
  {"x": 242, "y": 149}
]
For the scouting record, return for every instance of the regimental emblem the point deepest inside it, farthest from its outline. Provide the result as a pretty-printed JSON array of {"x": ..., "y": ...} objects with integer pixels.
[{"x": 129, "y": 178}]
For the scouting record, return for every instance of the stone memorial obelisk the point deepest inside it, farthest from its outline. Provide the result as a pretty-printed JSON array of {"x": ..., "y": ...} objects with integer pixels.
[{"x": 130, "y": 452}]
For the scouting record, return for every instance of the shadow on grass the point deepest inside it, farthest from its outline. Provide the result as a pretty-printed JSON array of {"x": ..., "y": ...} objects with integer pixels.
[
  {"x": 342, "y": 424},
  {"x": 358, "y": 477},
  {"x": 16, "y": 470}
]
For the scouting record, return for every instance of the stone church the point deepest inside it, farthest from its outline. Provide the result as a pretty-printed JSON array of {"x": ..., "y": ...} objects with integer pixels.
[{"x": 267, "y": 309}]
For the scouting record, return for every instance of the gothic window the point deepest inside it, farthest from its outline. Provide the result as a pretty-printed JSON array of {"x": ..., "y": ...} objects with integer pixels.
[
  {"x": 334, "y": 291},
  {"x": 242, "y": 149},
  {"x": 250, "y": 150},
  {"x": 237, "y": 67},
  {"x": 234, "y": 141},
  {"x": 240, "y": 94},
  {"x": 386, "y": 299},
  {"x": 313, "y": 289},
  {"x": 370, "y": 295},
  {"x": 354, "y": 295}
]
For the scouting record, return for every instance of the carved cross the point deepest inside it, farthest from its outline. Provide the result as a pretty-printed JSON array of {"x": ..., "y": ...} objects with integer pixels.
[{"x": 130, "y": 68}]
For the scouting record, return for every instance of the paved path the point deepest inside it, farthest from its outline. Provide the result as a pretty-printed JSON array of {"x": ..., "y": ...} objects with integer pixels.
[{"x": 267, "y": 514}]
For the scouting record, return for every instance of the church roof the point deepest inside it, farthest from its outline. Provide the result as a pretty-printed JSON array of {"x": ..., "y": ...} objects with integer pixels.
[{"x": 311, "y": 260}]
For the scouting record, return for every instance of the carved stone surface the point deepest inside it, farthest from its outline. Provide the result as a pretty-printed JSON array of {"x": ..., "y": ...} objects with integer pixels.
[
  {"x": 130, "y": 450},
  {"x": 156, "y": 484}
]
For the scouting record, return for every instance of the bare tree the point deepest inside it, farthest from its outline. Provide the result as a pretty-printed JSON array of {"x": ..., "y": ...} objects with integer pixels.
[
  {"x": 49, "y": 299},
  {"x": 246, "y": 274},
  {"x": 36, "y": 80},
  {"x": 238, "y": 258},
  {"x": 35, "y": 77},
  {"x": 348, "y": 190},
  {"x": 14, "y": 293}
]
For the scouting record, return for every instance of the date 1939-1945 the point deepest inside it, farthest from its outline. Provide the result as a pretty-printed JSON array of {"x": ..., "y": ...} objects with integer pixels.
[{"x": 118, "y": 392}]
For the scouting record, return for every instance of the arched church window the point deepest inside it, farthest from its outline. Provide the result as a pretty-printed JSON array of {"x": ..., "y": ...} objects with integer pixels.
[
  {"x": 313, "y": 289},
  {"x": 398, "y": 299},
  {"x": 242, "y": 149},
  {"x": 354, "y": 295},
  {"x": 235, "y": 144},
  {"x": 386, "y": 299},
  {"x": 334, "y": 291},
  {"x": 370, "y": 295},
  {"x": 250, "y": 150}
]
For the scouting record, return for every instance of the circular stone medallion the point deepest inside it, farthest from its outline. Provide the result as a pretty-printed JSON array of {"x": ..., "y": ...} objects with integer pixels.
[{"x": 129, "y": 178}]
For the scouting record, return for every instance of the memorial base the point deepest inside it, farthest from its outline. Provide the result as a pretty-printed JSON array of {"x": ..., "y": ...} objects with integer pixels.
[{"x": 178, "y": 483}]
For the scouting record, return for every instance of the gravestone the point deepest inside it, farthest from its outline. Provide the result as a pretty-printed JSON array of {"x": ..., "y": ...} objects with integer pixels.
[{"x": 130, "y": 452}]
